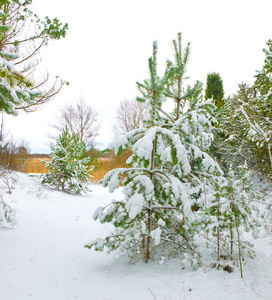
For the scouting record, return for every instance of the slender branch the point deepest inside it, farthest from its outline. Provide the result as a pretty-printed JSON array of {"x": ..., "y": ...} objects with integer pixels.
[
  {"x": 41, "y": 35},
  {"x": 33, "y": 53},
  {"x": 166, "y": 114}
]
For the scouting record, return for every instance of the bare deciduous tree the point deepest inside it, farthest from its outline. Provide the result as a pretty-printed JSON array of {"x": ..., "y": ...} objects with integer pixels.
[
  {"x": 82, "y": 120},
  {"x": 130, "y": 115}
]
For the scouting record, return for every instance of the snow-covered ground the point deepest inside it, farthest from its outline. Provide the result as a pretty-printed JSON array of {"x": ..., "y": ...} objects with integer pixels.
[{"x": 44, "y": 257}]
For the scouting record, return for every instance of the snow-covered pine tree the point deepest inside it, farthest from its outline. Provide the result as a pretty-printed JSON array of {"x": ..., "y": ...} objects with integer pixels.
[
  {"x": 154, "y": 219},
  {"x": 69, "y": 170}
]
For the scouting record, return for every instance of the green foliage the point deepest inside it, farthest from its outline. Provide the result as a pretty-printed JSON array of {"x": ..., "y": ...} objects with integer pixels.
[
  {"x": 175, "y": 88},
  {"x": 69, "y": 170},
  {"x": 214, "y": 89},
  {"x": 152, "y": 89},
  {"x": 54, "y": 29},
  {"x": 4, "y": 2},
  {"x": 48, "y": 29},
  {"x": 263, "y": 78}
]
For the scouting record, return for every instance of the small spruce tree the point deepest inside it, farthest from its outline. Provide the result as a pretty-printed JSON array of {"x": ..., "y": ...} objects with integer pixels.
[{"x": 69, "y": 170}]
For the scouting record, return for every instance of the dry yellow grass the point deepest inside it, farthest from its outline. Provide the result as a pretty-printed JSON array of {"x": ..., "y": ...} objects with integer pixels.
[{"x": 35, "y": 166}]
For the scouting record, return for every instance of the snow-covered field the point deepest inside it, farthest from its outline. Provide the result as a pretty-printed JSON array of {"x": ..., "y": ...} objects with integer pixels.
[{"x": 44, "y": 257}]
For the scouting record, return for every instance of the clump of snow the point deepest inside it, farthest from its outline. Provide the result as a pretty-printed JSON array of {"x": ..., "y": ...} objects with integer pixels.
[
  {"x": 112, "y": 179},
  {"x": 156, "y": 235},
  {"x": 161, "y": 222},
  {"x": 144, "y": 146},
  {"x": 180, "y": 193},
  {"x": 135, "y": 205},
  {"x": 122, "y": 141}
]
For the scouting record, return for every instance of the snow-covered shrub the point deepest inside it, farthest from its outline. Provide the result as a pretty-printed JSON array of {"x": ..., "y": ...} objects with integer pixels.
[
  {"x": 7, "y": 214},
  {"x": 8, "y": 179}
]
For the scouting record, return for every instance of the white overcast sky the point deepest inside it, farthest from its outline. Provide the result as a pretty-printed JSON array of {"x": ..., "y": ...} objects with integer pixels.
[{"x": 109, "y": 41}]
